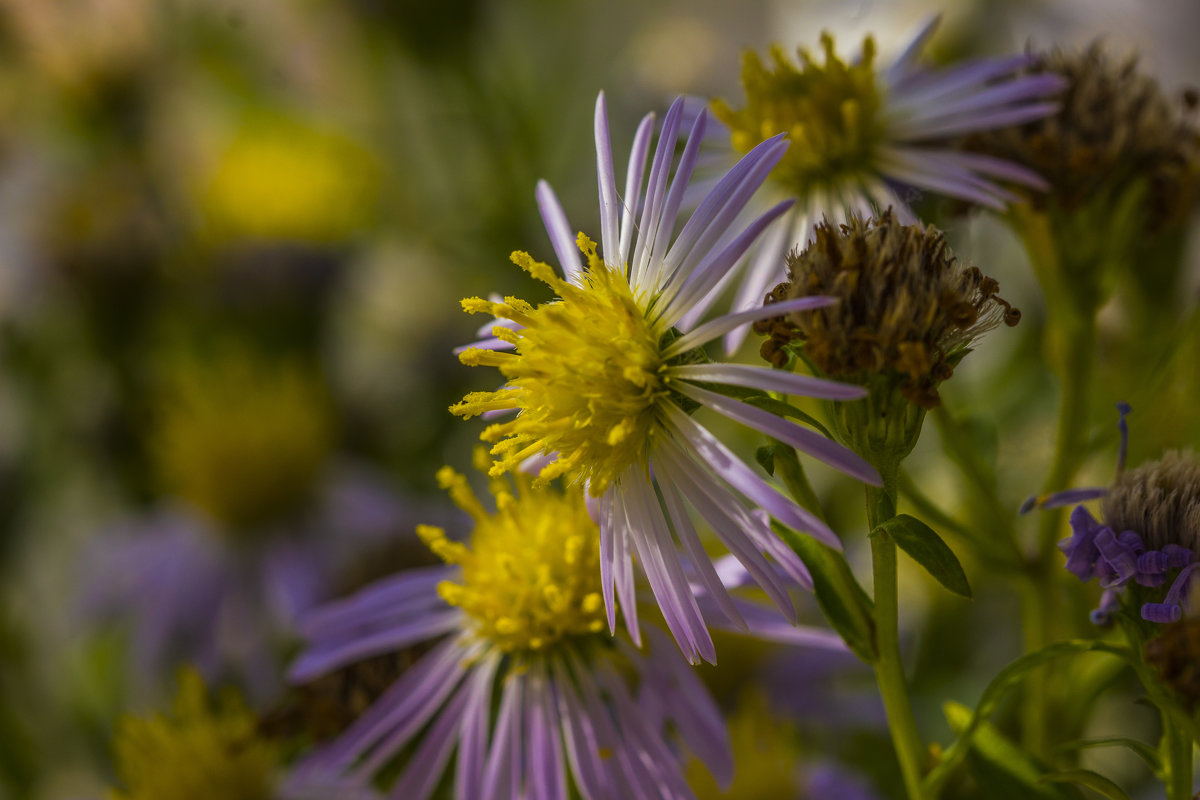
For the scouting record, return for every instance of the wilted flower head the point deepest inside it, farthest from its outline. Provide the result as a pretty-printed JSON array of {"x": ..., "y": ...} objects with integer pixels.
[
  {"x": 1115, "y": 128},
  {"x": 526, "y": 683},
  {"x": 1146, "y": 545},
  {"x": 907, "y": 308},
  {"x": 861, "y": 133},
  {"x": 603, "y": 380}
]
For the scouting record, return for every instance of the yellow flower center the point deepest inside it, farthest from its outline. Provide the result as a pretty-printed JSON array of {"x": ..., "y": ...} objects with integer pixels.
[
  {"x": 240, "y": 439},
  {"x": 531, "y": 574},
  {"x": 586, "y": 375},
  {"x": 830, "y": 112},
  {"x": 201, "y": 751}
]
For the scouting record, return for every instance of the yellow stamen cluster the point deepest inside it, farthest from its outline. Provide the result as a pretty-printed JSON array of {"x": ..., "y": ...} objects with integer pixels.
[
  {"x": 202, "y": 750},
  {"x": 240, "y": 438},
  {"x": 586, "y": 375},
  {"x": 531, "y": 573},
  {"x": 831, "y": 114}
]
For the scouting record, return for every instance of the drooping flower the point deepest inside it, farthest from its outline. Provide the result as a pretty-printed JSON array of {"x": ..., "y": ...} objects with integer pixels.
[
  {"x": 259, "y": 524},
  {"x": 205, "y": 748},
  {"x": 1145, "y": 548},
  {"x": 524, "y": 680},
  {"x": 604, "y": 381},
  {"x": 865, "y": 137}
]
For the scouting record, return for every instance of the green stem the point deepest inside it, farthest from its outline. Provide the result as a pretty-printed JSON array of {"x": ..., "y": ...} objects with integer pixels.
[
  {"x": 889, "y": 670},
  {"x": 1179, "y": 761}
]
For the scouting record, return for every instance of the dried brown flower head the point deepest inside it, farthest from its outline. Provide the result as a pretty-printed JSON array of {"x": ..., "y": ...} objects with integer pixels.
[
  {"x": 1115, "y": 126},
  {"x": 906, "y": 305}
]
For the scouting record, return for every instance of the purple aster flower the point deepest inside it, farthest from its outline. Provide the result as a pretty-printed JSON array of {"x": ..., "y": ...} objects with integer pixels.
[
  {"x": 191, "y": 591},
  {"x": 865, "y": 137},
  {"x": 1147, "y": 537},
  {"x": 605, "y": 377},
  {"x": 524, "y": 681}
]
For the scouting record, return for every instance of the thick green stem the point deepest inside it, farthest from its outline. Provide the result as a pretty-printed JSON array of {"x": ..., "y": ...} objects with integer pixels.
[
  {"x": 1179, "y": 761},
  {"x": 889, "y": 669}
]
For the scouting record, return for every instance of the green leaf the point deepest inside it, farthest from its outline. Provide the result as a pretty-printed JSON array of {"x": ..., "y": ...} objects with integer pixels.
[
  {"x": 843, "y": 601},
  {"x": 765, "y": 456},
  {"x": 782, "y": 409},
  {"x": 1092, "y": 780},
  {"x": 927, "y": 548},
  {"x": 1145, "y": 751},
  {"x": 1001, "y": 768},
  {"x": 1008, "y": 678}
]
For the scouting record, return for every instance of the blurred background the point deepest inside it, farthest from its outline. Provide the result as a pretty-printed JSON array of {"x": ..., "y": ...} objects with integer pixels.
[{"x": 233, "y": 238}]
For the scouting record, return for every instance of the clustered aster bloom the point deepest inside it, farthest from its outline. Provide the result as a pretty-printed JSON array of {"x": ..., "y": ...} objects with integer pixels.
[
  {"x": 519, "y": 613},
  {"x": 1148, "y": 536},
  {"x": 604, "y": 379},
  {"x": 861, "y": 134}
]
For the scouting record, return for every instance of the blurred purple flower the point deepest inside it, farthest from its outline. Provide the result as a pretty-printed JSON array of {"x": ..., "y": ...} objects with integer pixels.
[{"x": 191, "y": 592}]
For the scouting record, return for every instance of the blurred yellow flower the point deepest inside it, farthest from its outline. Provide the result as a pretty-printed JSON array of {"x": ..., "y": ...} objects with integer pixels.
[
  {"x": 280, "y": 178},
  {"x": 202, "y": 750},
  {"x": 241, "y": 438}
]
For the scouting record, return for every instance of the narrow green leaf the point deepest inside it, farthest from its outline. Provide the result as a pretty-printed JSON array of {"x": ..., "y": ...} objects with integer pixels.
[
  {"x": 998, "y": 764},
  {"x": 1145, "y": 751},
  {"x": 1006, "y": 679},
  {"x": 843, "y": 601},
  {"x": 779, "y": 408},
  {"x": 1092, "y": 780},
  {"x": 927, "y": 548},
  {"x": 765, "y": 456}
]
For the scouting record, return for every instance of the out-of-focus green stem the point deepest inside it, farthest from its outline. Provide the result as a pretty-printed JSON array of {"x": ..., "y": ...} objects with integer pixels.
[
  {"x": 1179, "y": 761},
  {"x": 889, "y": 669},
  {"x": 1072, "y": 335}
]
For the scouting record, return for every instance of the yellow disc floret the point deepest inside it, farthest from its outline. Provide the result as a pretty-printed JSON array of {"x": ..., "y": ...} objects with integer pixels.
[
  {"x": 831, "y": 114},
  {"x": 201, "y": 751},
  {"x": 585, "y": 375},
  {"x": 531, "y": 573},
  {"x": 241, "y": 438}
]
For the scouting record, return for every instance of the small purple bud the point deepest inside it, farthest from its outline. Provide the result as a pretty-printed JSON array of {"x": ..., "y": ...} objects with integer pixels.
[
  {"x": 1118, "y": 556},
  {"x": 1134, "y": 542},
  {"x": 1161, "y": 612},
  {"x": 1177, "y": 556},
  {"x": 1152, "y": 562},
  {"x": 1151, "y": 578}
]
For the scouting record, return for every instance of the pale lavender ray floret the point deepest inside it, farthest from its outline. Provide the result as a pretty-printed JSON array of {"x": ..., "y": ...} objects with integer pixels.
[
  {"x": 922, "y": 109},
  {"x": 189, "y": 594},
  {"x": 646, "y": 510},
  {"x": 566, "y": 716}
]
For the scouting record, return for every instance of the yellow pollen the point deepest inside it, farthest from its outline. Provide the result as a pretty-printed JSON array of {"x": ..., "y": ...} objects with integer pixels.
[
  {"x": 831, "y": 114},
  {"x": 531, "y": 573},
  {"x": 586, "y": 374},
  {"x": 202, "y": 750}
]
